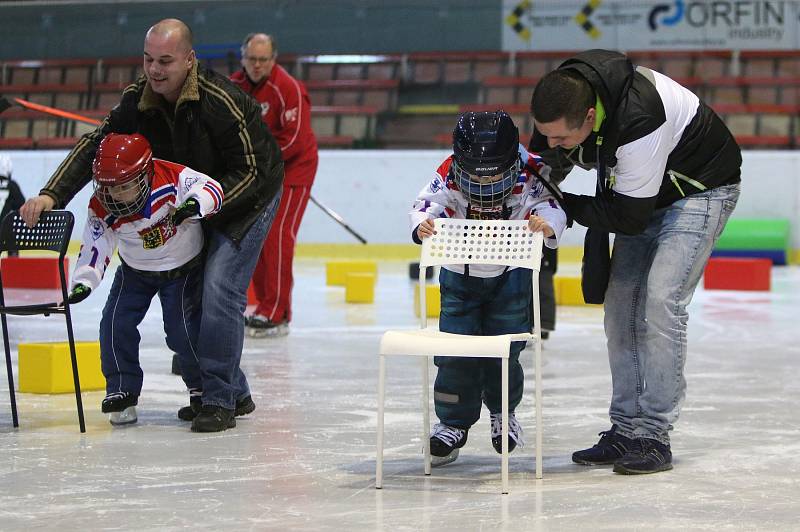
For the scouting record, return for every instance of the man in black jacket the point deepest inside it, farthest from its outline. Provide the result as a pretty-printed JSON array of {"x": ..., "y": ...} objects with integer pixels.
[
  {"x": 668, "y": 179},
  {"x": 197, "y": 118}
]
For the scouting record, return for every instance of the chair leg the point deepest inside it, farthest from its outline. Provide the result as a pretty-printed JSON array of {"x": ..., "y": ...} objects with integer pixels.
[
  {"x": 504, "y": 420},
  {"x": 426, "y": 415},
  {"x": 75, "y": 378},
  {"x": 381, "y": 397},
  {"x": 538, "y": 398},
  {"x": 9, "y": 370},
  {"x": 537, "y": 368}
]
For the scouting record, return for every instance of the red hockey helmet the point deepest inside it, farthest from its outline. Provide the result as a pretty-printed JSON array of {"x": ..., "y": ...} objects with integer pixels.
[{"x": 121, "y": 171}]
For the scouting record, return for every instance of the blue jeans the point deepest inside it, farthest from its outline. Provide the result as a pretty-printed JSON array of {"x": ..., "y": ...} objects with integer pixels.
[
  {"x": 127, "y": 303},
  {"x": 480, "y": 306},
  {"x": 228, "y": 269},
  {"x": 653, "y": 277}
]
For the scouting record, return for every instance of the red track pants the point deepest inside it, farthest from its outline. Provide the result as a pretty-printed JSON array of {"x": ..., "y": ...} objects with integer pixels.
[{"x": 272, "y": 278}]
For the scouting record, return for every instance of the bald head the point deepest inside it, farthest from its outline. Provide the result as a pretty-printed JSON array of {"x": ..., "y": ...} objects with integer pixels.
[
  {"x": 168, "y": 57},
  {"x": 174, "y": 30}
]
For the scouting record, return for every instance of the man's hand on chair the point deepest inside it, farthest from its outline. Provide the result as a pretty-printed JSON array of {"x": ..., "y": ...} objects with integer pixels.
[
  {"x": 79, "y": 293},
  {"x": 33, "y": 208}
]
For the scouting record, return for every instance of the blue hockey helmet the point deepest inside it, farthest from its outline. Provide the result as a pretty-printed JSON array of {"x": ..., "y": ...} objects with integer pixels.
[{"x": 486, "y": 161}]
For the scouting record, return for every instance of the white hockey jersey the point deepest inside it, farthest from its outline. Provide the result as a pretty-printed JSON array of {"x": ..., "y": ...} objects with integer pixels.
[
  {"x": 442, "y": 198},
  {"x": 148, "y": 240}
]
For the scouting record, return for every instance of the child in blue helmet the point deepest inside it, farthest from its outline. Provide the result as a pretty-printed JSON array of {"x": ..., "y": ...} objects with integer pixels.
[{"x": 488, "y": 177}]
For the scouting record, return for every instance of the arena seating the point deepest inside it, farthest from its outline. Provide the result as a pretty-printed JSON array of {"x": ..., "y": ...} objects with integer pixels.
[
  {"x": 379, "y": 93},
  {"x": 335, "y": 126},
  {"x": 507, "y": 89},
  {"x": 534, "y": 64},
  {"x": 765, "y": 63},
  {"x": 454, "y": 67},
  {"x": 337, "y": 67},
  {"x": 362, "y": 99},
  {"x": 49, "y": 71},
  {"x": 761, "y": 126},
  {"x": 682, "y": 64}
]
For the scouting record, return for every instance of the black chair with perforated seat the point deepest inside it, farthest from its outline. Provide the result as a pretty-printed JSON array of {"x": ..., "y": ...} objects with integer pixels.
[{"x": 52, "y": 233}]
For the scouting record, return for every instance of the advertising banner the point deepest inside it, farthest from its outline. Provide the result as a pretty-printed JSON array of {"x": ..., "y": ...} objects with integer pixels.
[{"x": 538, "y": 25}]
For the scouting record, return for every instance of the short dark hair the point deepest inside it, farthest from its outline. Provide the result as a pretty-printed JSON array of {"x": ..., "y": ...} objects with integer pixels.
[{"x": 562, "y": 94}]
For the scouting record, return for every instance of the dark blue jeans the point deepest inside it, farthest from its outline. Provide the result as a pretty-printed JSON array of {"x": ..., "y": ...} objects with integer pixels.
[
  {"x": 478, "y": 306},
  {"x": 126, "y": 306},
  {"x": 228, "y": 269}
]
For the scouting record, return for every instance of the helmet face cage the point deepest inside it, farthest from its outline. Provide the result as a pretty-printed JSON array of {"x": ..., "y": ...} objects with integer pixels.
[
  {"x": 486, "y": 191},
  {"x": 127, "y": 198},
  {"x": 486, "y": 160}
]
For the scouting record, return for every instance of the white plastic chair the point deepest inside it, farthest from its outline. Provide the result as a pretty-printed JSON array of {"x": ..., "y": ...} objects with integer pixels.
[{"x": 500, "y": 242}]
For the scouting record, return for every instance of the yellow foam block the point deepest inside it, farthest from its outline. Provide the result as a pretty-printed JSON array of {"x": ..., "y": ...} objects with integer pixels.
[
  {"x": 336, "y": 271},
  {"x": 568, "y": 291},
  {"x": 359, "y": 287},
  {"x": 433, "y": 301},
  {"x": 46, "y": 367}
]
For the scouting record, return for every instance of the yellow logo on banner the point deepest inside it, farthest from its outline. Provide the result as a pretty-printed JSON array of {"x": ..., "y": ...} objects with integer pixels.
[
  {"x": 583, "y": 21},
  {"x": 515, "y": 20}
]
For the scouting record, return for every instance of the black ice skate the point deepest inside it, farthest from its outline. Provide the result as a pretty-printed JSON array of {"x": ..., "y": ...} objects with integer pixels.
[
  {"x": 121, "y": 408},
  {"x": 445, "y": 443},
  {"x": 514, "y": 433}
]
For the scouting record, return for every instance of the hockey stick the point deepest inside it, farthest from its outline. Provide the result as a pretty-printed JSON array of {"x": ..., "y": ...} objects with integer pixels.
[
  {"x": 55, "y": 112},
  {"x": 5, "y": 104},
  {"x": 338, "y": 218}
]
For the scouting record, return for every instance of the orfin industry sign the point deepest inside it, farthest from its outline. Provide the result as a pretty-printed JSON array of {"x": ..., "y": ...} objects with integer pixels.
[{"x": 650, "y": 25}]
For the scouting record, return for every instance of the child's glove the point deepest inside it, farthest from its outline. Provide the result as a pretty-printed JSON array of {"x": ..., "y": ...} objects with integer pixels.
[
  {"x": 79, "y": 293},
  {"x": 185, "y": 210}
]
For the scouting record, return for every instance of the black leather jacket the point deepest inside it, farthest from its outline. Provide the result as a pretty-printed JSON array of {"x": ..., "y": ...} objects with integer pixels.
[
  {"x": 215, "y": 128},
  {"x": 706, "y": 152}
]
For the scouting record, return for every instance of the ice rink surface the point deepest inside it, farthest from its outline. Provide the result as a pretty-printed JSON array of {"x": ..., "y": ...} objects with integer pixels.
[{"x": 305, "y": 459}]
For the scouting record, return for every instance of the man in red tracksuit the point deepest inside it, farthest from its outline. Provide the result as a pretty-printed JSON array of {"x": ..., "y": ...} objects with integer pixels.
[{"x": 286, "y": 109}]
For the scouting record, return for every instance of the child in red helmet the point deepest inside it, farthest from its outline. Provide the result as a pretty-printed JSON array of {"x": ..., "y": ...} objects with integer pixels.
[{"x": 149, "y": 209}]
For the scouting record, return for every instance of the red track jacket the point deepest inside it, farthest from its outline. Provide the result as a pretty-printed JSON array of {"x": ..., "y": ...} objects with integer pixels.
[{"x": 286, "y": 109}]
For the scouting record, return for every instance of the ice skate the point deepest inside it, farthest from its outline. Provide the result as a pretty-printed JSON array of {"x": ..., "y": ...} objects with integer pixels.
[
  {"x": 121, "y": 408},
  {"x": 257, "y": 326},
  {"x": 514, "y": 432},
  {"x": 445, "y": 443}
]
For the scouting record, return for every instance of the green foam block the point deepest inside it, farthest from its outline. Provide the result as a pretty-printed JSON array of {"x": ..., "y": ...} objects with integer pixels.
[{"x": 755, "y": 233}]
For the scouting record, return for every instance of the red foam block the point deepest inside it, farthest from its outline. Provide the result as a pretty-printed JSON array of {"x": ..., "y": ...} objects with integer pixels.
[
  {"x": 737, "y": 274},
  {"x": 32, "y": 272}
]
